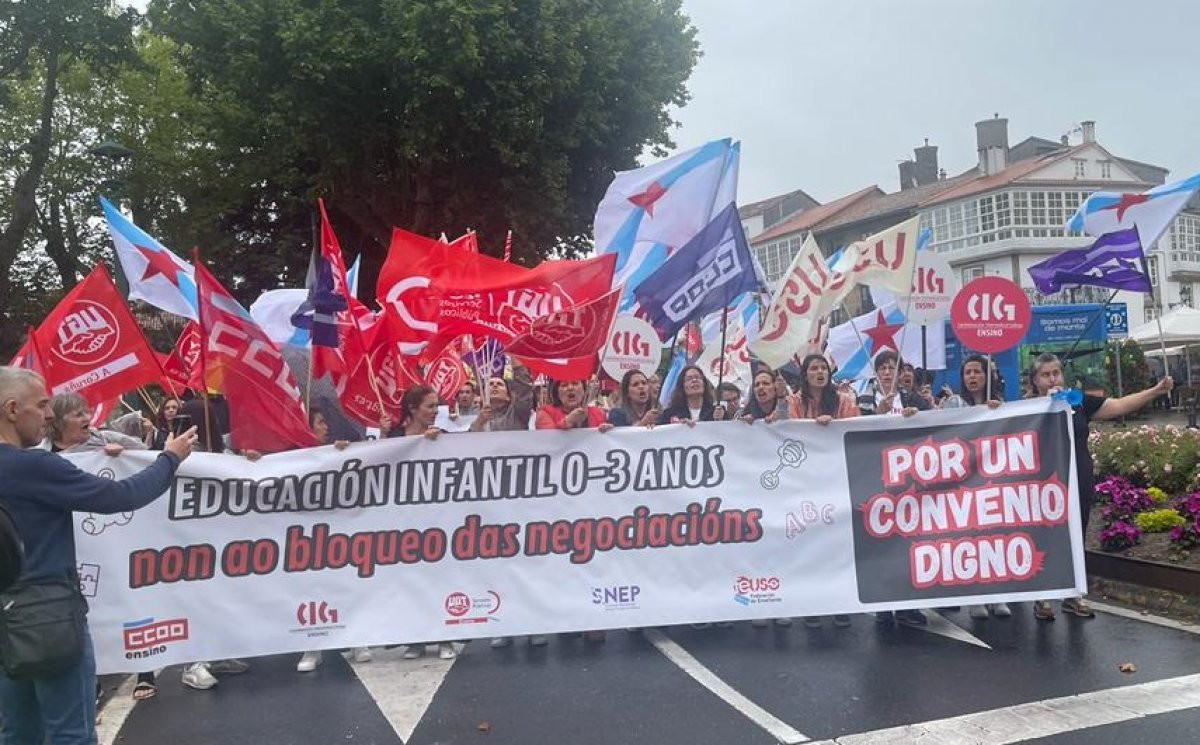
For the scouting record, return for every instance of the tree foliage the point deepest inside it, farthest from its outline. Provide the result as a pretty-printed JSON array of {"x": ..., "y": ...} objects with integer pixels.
[{"x": 433, "y": 115}]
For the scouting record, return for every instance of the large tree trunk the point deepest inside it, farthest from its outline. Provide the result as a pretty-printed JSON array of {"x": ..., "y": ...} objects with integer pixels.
[
  {"x": 57, "y": 246},
  {"x": 24, "y": 203}
]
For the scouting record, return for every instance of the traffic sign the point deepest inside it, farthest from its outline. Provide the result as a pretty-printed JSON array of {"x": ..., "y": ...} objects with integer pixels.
[
  {"x": 1117, "y": 316},
  {"x": 990, "y": 315}
]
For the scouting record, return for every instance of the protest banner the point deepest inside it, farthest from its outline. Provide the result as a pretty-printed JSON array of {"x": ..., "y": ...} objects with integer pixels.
[{"x": 493, "y": 534}]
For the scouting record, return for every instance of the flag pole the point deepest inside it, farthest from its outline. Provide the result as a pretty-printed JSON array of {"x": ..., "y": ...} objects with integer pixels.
[
  {"x": 912, "y": 274},
  {"x": 721, "y": 350},
  {"x": 203, "y": 363},
  {"x": 987, "y": 395},
  {"x": 1091, "y": 323},
  {"x": 308, "y": 383}
]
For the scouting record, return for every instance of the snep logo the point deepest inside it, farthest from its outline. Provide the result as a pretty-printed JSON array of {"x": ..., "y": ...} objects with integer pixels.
[
  {"x": 147, "y": 637},
  {"x": 985, "y": 306},
  {"x": 479, "y": 608},
  {"x": 616, "y": 597},
  {"x": 87, "y": 335},
  {"x": 756, "y": 590},
  {"x": 317, "y": 618},
  {"x": 89, "y": 579},
  {"x": 809, "y": 514}
]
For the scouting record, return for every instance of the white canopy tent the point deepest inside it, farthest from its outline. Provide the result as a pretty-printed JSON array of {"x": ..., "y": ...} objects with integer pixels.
[{"x": 1180, "y": 327}]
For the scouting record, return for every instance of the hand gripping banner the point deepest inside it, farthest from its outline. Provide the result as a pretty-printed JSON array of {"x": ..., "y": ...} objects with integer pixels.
[{"x": 491, "y": 534}]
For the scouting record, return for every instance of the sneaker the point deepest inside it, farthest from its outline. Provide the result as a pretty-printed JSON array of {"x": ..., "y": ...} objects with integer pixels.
[
  {"x": 446, "y": 651},
  {"x": 1042, "y": 611},
  {"x": 911, "y": 618},
  {"x": 812, "y": 622},
  {"x": 308, "y": 662},
  {"x": 413, "y": 651},
  {"x": 1001, "y": 610},
  {"x": 361, "y": 654},
  {"x": 197, "y": 675},
  {"x": 501, "y": 642},
  {"x": 978, "y": 611},
  {"x": 228, "y": 667},
  {"x": 841, "y": 620},
  {"x": 759, "y": 623},
  {"x": 885, "y": 617},
  {"x": 783, "y": 622},
  {"x": 1076, "y": 607},
  {"x": 538, "y": 640}
]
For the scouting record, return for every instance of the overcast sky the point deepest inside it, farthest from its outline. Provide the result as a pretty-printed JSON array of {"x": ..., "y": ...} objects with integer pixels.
[{"x": 828, "y": 95}]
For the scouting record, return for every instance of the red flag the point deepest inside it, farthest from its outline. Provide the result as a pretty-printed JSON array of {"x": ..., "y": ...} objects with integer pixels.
[
  {"x": 447, "y": 374},
  {"x": 265, "y": 413},
  {"x": 181, "y": 367},
  {"x": 351, "y": 344},
  {"x": 90, "y": 343},
  {"x": 577, "y": 368},
  {"x": 440, "y": 294},
  {"x": 468, "y": 241},
  {"x": 29, "y": 356},
  {"x": 578, "y": 331}
]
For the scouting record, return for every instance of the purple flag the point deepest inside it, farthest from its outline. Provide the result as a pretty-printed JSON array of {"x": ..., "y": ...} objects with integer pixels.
[
  {"x": 489, "y": 359},
  {"x": 1115, "y": 261}
]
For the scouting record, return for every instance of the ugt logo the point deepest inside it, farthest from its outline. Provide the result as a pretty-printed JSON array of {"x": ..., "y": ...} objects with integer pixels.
[
  {"x": 88, "y": 334},
  {"x": 313, "y": 613},
  {"x": 986, "y": 306}
]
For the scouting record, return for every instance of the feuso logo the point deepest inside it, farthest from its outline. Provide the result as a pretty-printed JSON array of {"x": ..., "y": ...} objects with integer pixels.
[{"x": 88, "y": 334}]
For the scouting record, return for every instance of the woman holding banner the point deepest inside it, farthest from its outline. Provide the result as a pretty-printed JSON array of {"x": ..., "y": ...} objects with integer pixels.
[
  {"x": 635, "y": 406},
  {"x": 1046, "y": 379},
  {"x": 693, "y": 400},
  {"x": 972, "y": 391}
]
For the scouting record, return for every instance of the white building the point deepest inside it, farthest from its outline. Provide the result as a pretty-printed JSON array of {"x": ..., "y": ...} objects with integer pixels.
[{"x": 1002, "y": 216}]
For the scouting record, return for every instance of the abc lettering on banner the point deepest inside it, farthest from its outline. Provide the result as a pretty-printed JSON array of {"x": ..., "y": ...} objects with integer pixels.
[
  {"x": 498, "y": 534},
  {"x": 990, "y": 315}
]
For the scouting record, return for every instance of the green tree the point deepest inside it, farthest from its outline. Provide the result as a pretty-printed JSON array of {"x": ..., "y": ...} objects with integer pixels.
[
  {"x": 433, "y": 115},
  {"x": 40, "y": 40},
  {"x": 1135, "y": 373}
]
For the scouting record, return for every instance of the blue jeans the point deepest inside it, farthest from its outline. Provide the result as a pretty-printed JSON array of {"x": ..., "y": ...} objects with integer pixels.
[{"x": 62, "y": 708}]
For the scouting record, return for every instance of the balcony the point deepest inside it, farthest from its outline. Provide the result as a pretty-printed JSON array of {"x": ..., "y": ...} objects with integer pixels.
[{"x": 1184, "y": 266}]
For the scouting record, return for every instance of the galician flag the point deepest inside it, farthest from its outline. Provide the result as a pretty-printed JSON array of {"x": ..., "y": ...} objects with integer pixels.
[
  {"x": 649, "y": 213},
  {"x": 155, "y": 274},
  {"x": 854, "y": 345},
  {"x": 1151, "y": 212}
]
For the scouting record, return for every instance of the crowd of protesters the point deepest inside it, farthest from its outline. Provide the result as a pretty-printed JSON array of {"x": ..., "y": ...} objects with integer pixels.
[{"x": 516, "y": 403}]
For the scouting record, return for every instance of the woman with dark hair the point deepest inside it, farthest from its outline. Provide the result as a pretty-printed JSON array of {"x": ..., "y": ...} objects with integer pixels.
[
  {"x": 568, "y": 408},
  {"x": 635, "y": 406},
  {"x": 693, "y": 400},
  {"x": 819, "y": 398},
  {"x": 762, "y": 404},
  {"x": 972, "y": 386},
  {"x": 162, "y": 423}
]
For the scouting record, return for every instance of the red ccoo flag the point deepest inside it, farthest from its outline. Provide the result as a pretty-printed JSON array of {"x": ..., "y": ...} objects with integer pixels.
[
  {"x": 90, "y": 344},
  {"x": 265, "y": 413}
]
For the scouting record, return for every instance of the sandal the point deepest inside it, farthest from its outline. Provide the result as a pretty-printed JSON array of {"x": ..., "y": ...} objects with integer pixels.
[
  {"x": 144, "y": 690},
  {"x": 1076, "y": 606},
  {"x": 1042, "y": 611}
]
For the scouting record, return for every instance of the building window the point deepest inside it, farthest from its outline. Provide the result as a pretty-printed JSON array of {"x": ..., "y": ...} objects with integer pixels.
[
  {"x": 1080, "y": 167},
  {"x": 1151, "y": 313},
  {"x": 1152, "y": 268},
  {"x": 1105, "y": 169},
  {"x": 971, "y": 272}
]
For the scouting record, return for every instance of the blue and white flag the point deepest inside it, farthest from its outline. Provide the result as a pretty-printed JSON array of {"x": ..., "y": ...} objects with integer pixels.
[
  {"x": 649, "y": 213},
  {"x": 273, "y": 311},
  {"x": 1115, "y": 261},
  {"x": 155, "y": 274},
  {"x": 854, "y": 345},
  {"x": 704, "y": 276},
  {"x": 1151, "y": 212}
]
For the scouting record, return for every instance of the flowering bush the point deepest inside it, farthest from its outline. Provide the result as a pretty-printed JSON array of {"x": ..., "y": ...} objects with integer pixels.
[
  {"x": 1186, "y": 536},
  {"x": 1119, "y": 536},
  {"x": 1122, "y": 500},
  {"x": 1166, "y": 457},
  {"x": 1158, "y": 521},
  {"x": 1157, "y": 496}
]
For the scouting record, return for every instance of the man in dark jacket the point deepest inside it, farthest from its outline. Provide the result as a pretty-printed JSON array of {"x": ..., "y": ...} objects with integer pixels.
[{"x": 40, "y": 490}]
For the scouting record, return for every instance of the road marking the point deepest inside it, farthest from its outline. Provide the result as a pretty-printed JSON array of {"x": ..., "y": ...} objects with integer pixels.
[
  {"x": 942, "y": 626},
  {"x": 1170, "y": 623},
  {"x": 116, "y": 711},
  {"x": 1043, "y": 718},
  {"x": 402, "y": 689},
  {"x": 705, "y": 677}
]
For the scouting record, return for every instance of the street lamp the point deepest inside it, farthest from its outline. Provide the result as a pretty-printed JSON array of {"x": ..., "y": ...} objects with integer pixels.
[{"x": 116, "y": 154}]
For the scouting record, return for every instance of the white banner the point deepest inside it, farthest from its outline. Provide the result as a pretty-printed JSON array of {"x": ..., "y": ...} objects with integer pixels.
[{"x": 480, "y": 535}]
